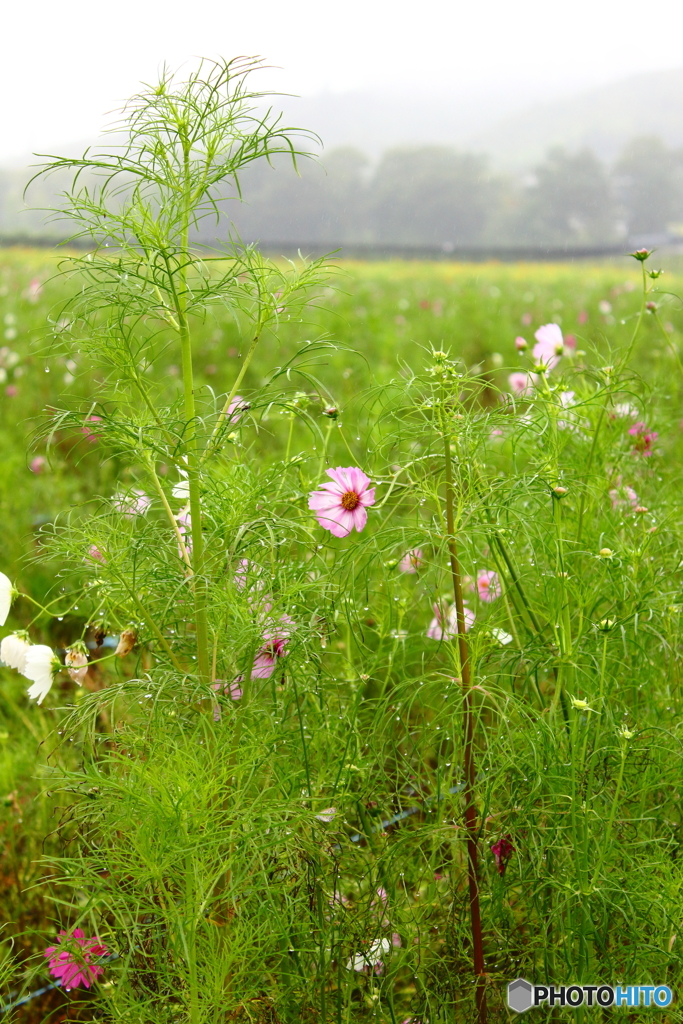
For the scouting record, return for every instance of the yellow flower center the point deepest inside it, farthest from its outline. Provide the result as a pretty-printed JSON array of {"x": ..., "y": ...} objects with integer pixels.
[{"x": 350, "y": 500}]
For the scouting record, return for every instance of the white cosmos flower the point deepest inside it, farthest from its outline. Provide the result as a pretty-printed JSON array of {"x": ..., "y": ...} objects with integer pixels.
[
  {"x": 501, "y": 636},
  {"x": 181, "y": 490},
  {"x": 41, "y": 665},
  {"x": 13, "y": 650},
  {"x": 371, "y": 958},
  {"x": 7, "y": 592}
]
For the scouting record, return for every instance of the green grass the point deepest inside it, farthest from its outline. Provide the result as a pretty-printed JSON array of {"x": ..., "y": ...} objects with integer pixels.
[{"x": 592, "y": 891}]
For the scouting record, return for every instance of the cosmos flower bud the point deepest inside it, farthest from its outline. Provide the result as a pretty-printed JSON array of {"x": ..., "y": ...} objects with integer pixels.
[
  {"x": 521, "y": 344},
  {"x": 641, "y": 254},
  {"x": 76, "y": 661},
  {"x": 605, "y": 552},
  {"x": 560, "y": 492},
  {"x": 127, "y": 642},
  {"x": 651, "y": 306},
  {"x": 331, "y": 411}
]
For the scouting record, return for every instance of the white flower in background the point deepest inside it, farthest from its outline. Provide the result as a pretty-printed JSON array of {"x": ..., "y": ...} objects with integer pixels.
[
  {"x": 327, "y": 815},
  {"x": 132, "y": 503},
  {"x": 372, "y": 958},
  {"x": 7, "y": 592},
  {"x": 40, "y": 668},
  {"x": 13, "y": 650},
  {"x": 501, "y": 636},
  {"x": 181, "y": 490}
]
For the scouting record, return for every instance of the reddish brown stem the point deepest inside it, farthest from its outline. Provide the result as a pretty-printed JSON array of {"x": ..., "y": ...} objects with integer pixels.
[{"x": 468, "y": 750}]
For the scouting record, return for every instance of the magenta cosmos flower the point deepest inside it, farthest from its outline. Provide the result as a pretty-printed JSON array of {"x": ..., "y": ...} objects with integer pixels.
[
  {"x": 340, "y": 506},
  {"x": 444, "y": 625},
  {"x": 549, "y": 345},
  {"x": 488, "y": 585},
  {"x": 502, "y": 851},
  {"x": 71, "y": 961},
  {"x": 275, "y": 641},
  {"x": 644, "y": 439}
]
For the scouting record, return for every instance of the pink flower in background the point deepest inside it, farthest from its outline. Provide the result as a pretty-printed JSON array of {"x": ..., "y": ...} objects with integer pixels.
[
  {"x": 231, "y": 690},
  {"x": 275, "y": 640},
  {"x": 502, "y": 851},
  {"x": 582, "y": 317},
  {"x": 237, "y": 409},
  {"x": 520, "y": 383},
  {"x": 569, "y": 341},
  {"x": 622, "y": 497},
  {"x": 132, "y": 504},
  {"x": 92, "y": 437},
  {"x": 549, "y": 345},
  {"x": 488, "y": 585},
  {"x": 526, "y": 319},
  {"x": 444, "y": 625},
  {"x": 71, "y": 960},
  {"x": 411, "y": 561},
  {"x": 521, "y": 344},
  {"x": 11, "y": 391},
  {"x": 645, "y": 438},
  {"x": 340, "y": 506},
  {"x": 94, "y": 552},
  {"x": 38, "y": 464},
  {"x": 34, "y": 290},
  {"x": 184, "y": 521}
]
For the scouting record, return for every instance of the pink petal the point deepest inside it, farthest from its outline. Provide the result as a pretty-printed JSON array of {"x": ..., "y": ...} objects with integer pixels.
[
  {"x": 368, "y": 497},
  {"x": 319, "y": 500},
  {"x": 360, "y": 517}
]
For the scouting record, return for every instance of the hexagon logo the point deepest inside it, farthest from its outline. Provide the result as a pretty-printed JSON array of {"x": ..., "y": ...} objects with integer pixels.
[{"x": 520, "y": 995}]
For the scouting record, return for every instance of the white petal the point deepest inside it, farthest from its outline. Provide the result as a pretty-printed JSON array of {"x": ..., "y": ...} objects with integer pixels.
[
  {"x": 6, "y": 593},
  {"x": 501, "y": 636},
  {"x": 41, "y": 687},
  {"x": 13, "y": 651}
]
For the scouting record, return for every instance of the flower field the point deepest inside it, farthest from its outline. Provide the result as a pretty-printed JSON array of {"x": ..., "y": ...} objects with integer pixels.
[
  {"x": 311, "y": 832},
  {"x": 341, "y": 618}
]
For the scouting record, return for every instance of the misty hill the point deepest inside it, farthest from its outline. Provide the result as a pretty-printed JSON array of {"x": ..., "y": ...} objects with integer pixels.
[{"x": 603, "y": 119}]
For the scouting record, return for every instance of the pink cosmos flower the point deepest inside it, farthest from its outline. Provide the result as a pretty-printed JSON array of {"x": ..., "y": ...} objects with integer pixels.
[
  {"x": 237, "y": 409},
  {"x": 34, "y": 290},
  {"x": 645, "y": 438},
  {"x": 488, "y": 585},
  {"x": 38, "y": 464},
  {"x": 526, "y": 319},
  {"x": 521, "y": 344},
  {"x": 94, "y": 552},
  {"x": 444, "y": 625},
  {"x": 520, "y": 383},
  {"x": 341, "y": 505},
  {"x": 502, "y": 851},
  {"x": 132, "y": 504},
  {"x": 569, "y": 341},
  {"x": 231, "y": 690},
  {"x": 549, "y": 345},
  {"x": 275, "y": 640},
  {"x": 71, "y": 961},
  {"x": 92, "y": 437},
  {"x": 622, "y": 497},
  {"x": 411, "y": 561},
  {"x": 184, "y": 521},
  {"x": 582, "y": 317},
  {"x": 11, "y": 391}
]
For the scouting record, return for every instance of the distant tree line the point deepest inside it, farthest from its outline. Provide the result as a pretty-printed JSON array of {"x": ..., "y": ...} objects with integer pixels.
[
  {"x": 438, "y": 197},
  {"x": 429, "y": 196}
]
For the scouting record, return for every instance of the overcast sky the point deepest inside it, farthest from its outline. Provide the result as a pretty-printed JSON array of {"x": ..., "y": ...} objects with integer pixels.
[{"x": 64, "y": 64}]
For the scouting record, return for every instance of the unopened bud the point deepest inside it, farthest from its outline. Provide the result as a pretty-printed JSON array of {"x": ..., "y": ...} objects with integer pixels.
[
  {"x": 606, "y": 624},
  {"x": 76, "y": 661},
  {"x": 652, "y": 306},
  {"x": 640, "y": 509},
  {"x": 331, "y": 411},
  {"x": 521, "y": 344},
  {"x": 641, "y": 254},
  {"x": 127, "y": 642},
  {"x": 605, "y": 552},
  {"x": 560, "y": 492}
]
